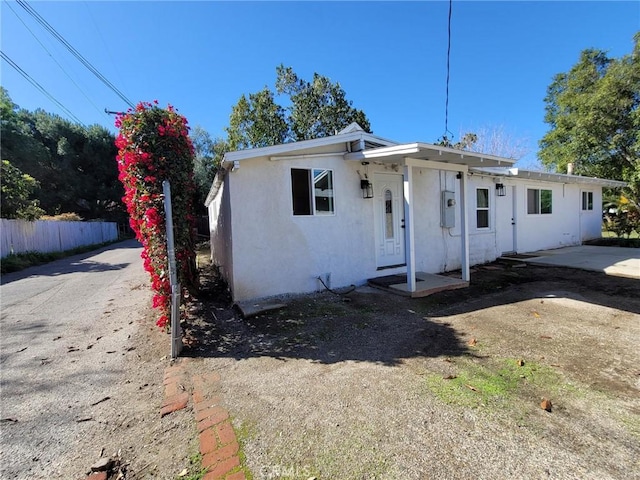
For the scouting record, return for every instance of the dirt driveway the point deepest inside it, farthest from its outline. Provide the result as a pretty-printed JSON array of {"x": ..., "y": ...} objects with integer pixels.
[{"x": 369, "y": 385}]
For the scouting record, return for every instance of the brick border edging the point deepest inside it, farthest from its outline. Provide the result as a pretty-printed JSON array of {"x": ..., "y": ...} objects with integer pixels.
[{"x": 218, "y": 443}]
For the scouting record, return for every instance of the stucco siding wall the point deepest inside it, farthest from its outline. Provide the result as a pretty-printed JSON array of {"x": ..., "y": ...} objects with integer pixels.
[
  {"x": 221, "y": 230},
  {"x": 276, "y": 252},
  {"x": 561, "y": 228},
  {"x": 439, "y": 249}
]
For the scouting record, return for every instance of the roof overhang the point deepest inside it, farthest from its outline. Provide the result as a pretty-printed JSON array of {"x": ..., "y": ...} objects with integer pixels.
[
  {"x": 430, "y": 156},
  {"x": 304, "y": 147},
  {"x": 549, "y": 177}
]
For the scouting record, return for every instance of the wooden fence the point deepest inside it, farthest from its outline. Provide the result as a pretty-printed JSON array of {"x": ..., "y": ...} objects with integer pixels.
[{"x": 18, "y": 236}]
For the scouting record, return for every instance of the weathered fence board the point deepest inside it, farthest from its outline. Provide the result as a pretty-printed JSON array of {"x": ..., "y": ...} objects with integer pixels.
[{"x": 18, "y": 236}]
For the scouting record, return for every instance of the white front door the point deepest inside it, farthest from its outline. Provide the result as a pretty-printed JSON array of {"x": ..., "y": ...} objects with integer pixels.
[
  {"x": 389, "y": 221},
  {"x": 506, "y": 220}
]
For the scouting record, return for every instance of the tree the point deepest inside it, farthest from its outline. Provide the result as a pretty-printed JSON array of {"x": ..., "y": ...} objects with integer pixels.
[
  {"x": 316, "y": 109},
  {"x": 208, "y": 154},
  {"x": 74, "y": 163},
  {"x": 593, "y": 112},
  {"x": 17, "y": 188},
  {"x": 257, "y": 122}
]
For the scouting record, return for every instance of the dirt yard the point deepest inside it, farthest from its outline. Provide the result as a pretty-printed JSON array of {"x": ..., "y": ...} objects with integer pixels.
[{"x": 370, "y": 385}]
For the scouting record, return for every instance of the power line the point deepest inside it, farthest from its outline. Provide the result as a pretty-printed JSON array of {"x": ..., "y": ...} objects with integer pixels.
[
  {"x": 39, "y": 87},
  {"x": 446, "y": 104},
  {"x": 53, "y": 58},
  {"x": 73, "y": 51}
]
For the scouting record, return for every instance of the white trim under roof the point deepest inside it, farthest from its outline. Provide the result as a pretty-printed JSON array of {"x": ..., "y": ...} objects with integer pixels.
[
  {"x": 291, "y": 148},
  {"x": 432, "y": 153},
  {"x": 548, "y": 176}
]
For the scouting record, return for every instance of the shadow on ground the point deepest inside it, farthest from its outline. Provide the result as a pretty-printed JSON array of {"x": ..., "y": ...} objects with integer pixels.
[
  {"x": 374, "y": 326},
  {"x": 322, "y": 327}
]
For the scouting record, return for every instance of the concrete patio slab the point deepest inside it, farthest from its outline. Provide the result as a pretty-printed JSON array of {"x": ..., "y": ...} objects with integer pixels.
[
  {"x": 426, "y": 284},
  {"x": 616, "y": 261}
]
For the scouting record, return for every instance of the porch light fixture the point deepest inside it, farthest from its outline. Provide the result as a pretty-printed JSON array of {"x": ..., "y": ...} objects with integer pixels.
[
  {"x": 500, "y": 190},
  {"x": 365, "y": 184},
  {"x": 367, "y": 188}
]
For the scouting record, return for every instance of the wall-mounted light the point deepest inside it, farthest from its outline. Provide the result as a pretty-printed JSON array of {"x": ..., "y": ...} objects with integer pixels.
[
  {"x": 367, "y": 188},
  {"x": 365, "y": 184},
  {"x": 500, "y": 190}
]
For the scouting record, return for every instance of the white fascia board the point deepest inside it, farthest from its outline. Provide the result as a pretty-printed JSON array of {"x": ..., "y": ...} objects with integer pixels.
[
  {"x": 552, "y": 177},
  {"x": 466, "y": 154},
  {"x": 286, "y": 148},
  {"x": 381, "y": 152}
]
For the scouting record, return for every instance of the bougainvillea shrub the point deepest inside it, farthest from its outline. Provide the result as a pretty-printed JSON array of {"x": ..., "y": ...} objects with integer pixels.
[{"x": 154, "y": 145}]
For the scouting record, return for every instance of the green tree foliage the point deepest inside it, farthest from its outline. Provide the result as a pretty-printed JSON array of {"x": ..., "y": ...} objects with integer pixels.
[
  {"x": 17, "y": 190},
  {"x": 316, "y": 109},
  {"x": 593, "y": 111},
  {"x": 75, "y": 165},
  {"x": 208, "y": 154}
]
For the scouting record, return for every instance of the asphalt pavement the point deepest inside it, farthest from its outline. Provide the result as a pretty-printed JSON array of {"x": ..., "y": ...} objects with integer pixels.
[{"x": 62, "y": 330}]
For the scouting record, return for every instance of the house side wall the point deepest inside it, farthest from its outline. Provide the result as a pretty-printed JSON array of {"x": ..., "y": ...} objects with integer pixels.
[
  {"x": 438, "y": 249},
  {"x": 220, "y": 230},
  {"x": 276, "y": 252},
  {"x": 560, "y": 228}
]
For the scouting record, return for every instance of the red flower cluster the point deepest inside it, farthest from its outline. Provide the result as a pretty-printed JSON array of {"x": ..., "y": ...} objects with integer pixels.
[{"x": 153, "y": 145}]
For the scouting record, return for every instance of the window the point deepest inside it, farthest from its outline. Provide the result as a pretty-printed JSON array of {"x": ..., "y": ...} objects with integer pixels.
[
  {"x": 388, "y": 216},
  {"x": 539, "y": 201},
  {"x": 312, "y": 191},
  {"x": 482, "y": 208},
  {"x": 587, "y": 200}
]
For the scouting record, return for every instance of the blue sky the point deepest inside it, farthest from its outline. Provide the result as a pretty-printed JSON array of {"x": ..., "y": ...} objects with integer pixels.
[{"x": 390, "y": 57}]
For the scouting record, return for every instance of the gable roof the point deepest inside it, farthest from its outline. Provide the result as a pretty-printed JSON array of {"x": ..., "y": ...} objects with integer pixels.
[{"x": 351, "y": 133}]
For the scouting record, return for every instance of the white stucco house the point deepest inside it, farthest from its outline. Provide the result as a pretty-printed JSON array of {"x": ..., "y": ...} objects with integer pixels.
[{"x": 355, "y": 206}]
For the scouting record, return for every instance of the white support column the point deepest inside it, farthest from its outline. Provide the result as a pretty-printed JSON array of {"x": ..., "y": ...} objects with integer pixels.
[
  {"x": 464, "y": 227},
  {"x": 410, "y": 251}
]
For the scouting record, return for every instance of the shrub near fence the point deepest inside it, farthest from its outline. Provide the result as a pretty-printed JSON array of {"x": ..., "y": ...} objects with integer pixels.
[{"x": 19, "y": 236}]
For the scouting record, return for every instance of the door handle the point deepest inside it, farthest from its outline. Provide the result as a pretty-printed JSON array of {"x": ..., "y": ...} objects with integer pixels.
[{"x": 402, "y": 224}]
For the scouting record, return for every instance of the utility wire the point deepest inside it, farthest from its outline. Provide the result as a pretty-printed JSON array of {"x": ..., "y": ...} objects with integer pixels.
[
  {"x": 73, "y": 51},
  {"x": 53, "y": 58},
  {"x": 446, "y": 104},
  {"x": 39, "y": 87}
]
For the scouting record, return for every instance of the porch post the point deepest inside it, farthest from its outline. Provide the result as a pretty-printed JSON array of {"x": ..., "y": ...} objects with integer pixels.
[
  {"x": 464, "y": 226},
  {"x": 410, "y": 252}
]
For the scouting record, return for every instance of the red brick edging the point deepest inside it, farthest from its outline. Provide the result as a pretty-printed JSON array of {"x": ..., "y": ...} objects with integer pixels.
[{"x": 218, "y": 444}]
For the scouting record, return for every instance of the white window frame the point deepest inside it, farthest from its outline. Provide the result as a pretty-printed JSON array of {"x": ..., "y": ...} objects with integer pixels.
[
  {"x": 312, "y": 193},
  {"x": 539, "y": 200},
  {"x": 487, "y": 208},
  {"x": 587, "y": 200}
]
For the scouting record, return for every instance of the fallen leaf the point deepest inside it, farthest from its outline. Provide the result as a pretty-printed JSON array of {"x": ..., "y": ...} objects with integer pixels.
[
  {"x": 57, "y": 338},
  {"x": 447, "y": 360},
  {"x": 449, "y": 377},
  {"x": 10, "y": 420},
  {"x": 521, "y": 363},
  {"x": 473, "y": 342},
  {"x": 536, "y": 314},
  {"x": 22, "y": 349},
  {"x": 546, "y": 405},
  {"x": 183, "y": 473},
  {"x": 471, "y": 387},
  {"x": 545, "y": 336},
  {"x": 411, "y": 311}
]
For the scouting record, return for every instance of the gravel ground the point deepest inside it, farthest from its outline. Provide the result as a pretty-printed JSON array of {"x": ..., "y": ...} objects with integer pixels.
[{"x": 370, "y": 385}]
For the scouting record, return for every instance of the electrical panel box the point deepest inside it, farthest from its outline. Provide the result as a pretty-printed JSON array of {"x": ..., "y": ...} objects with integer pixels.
[{"x": 448, "y": 209}]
